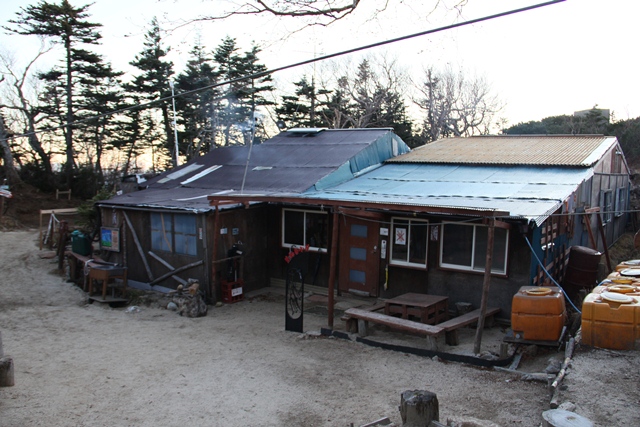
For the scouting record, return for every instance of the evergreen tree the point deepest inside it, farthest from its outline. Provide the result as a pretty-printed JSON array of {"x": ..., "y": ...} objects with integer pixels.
[
  {"x": 101, "y": 93},
  {"x": 243, "y": 95},
  {"x": 68, "y": 26},
  {"x": 197, "y": 110},
  {"x": 154, "y": 80},
  {"x": 303, "y": 109}
]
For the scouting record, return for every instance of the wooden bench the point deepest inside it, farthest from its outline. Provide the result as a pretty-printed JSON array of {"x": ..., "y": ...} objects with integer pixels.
[
  {"x": 365, "y": 316},
  {"x": 451, "y": 326}
]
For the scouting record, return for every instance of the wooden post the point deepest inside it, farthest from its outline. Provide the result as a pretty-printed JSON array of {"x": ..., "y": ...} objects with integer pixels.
[
  {"x": 418, "y": 408},
  {"x": 62, "y": 243},
  {"x": 485, "y": 285},
  {"x": 6, "y": 368},
  {"x": 604, "y": 241},
  {"x": 214, "y": 254},
  {"x": 332, "y": 266}
]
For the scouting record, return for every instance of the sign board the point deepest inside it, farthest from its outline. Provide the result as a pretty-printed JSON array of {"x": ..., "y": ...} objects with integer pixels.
[{"x": 110, "y": 239}]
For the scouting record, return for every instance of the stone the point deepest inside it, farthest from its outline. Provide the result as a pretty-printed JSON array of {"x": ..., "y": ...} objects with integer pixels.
[
  {"x": 562, "y": 418},
  {"x": 568, "y": 406}
]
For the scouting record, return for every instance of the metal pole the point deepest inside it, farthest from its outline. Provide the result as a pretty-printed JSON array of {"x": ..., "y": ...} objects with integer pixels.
[{"x": 175, "y": 128}]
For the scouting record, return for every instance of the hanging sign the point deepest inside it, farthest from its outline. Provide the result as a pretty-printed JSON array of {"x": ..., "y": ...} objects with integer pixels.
[{"x": 110, "y": 239}]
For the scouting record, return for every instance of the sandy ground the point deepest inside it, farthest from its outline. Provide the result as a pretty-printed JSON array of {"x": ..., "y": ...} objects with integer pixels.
[{"x": 79, "y": 364}]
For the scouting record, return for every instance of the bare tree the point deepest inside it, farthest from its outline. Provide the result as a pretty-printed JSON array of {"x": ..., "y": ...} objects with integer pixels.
[
  {"x": 454, "y": 105},
  {"x": 371, "y": 95},
  {"x": 316, "y": 12},
  {"x": 7, "y": 158},
  {"x": 23, "y": 105}
]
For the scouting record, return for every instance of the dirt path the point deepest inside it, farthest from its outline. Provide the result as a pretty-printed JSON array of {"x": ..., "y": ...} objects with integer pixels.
[{"x": 90, "y": 365}]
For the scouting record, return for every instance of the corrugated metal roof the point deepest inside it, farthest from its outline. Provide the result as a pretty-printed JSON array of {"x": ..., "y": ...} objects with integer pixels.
[
  {"x": 526, "y": 192},
  {"x": 548, "y": 150},
  {"x": 289, "y": 163}
]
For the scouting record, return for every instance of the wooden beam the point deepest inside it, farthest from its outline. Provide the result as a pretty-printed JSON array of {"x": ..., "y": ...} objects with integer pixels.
[
  {"x": 332, "y": 266},
  {"x": 138, "y": 245},
  {"x": 239, "y": 199},
  {"x": 604, "y": 241},
  {"x": 586, "y": 219},
  {"x": 177, "y": 270},
  {"x": 170, "y": 267},
  {"x": 53, "y": 211},
  {"x": 485, "y": 287}
]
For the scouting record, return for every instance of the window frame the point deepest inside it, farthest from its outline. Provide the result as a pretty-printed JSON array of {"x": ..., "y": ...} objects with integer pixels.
[
  {"x": 304, "y": 232},
  {"x": 607, "y": 205},
  {"x": 621, "y": 201},
  {"x": 173, "y": 249},
  {"x": 392, "y": 243},
  {"x": 460, "y": 267}
]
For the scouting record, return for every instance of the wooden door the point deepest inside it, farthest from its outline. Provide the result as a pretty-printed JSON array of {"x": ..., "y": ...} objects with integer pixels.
[{"x": 359, "y": 256}]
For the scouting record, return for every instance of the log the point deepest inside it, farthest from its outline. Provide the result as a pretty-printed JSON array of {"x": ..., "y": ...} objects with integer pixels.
[
  {"x": 568, "y": 353},
  {"x": 418, "y": 408},
  {"x": 6, "y": 372}
]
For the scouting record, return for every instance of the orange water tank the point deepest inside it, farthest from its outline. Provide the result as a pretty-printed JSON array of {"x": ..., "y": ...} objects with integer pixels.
[
  {"x": 611, "y": 320},
  {"x": 538, "y": 313}
]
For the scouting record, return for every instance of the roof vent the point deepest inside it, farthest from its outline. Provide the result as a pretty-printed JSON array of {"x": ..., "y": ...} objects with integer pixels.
[{"x": 305, "y": 131}]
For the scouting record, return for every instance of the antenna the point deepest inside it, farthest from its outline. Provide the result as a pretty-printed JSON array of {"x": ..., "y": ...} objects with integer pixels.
[{"x": 175, "y": 128}]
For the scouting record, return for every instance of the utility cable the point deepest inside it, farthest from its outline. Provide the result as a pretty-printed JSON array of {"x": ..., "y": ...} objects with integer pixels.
[
  {"x": 298, "y": 64},
  {"x": 549, "y": 275}
]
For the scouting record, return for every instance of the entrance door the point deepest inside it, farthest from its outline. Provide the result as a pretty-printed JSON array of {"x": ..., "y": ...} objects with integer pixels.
[{"x": 359, "y": 256}]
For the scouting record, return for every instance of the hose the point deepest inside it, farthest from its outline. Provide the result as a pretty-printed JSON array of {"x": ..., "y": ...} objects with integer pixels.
[{"x": 549, "y": 276}]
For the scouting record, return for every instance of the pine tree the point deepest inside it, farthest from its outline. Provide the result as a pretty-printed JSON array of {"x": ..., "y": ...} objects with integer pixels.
[
  {"x": 197, "y": 110},
  {"x": 68, "y": 26},
  {"x": 303, "y": 109},
  {"x": 243, "y": 95},
  {"x": 154, "y": 80}
]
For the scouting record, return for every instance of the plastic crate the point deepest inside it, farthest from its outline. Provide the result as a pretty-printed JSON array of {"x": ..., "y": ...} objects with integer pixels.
[{"x": 232, "y": 292}]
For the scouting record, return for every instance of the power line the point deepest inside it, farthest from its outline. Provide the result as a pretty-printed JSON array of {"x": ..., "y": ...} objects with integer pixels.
[{"x": 297, "y": 64}]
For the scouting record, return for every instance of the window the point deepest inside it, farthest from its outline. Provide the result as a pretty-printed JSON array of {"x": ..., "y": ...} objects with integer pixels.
[
  {"x": 300, "y": 228},
  {"x": 621, "y": 201},
  {"x": 175, "y": 233},
  {"x": 464, "y": 247},
  {"x": 409, "y": 242},
  {"x": 606, "y": 206}
]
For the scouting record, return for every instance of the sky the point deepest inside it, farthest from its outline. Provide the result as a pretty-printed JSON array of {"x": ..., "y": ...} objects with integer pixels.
[{"x": 549, "y": 61}]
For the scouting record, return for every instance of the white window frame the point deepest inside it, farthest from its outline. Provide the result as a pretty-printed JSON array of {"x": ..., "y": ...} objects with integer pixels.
[
  {"x": 304, "y": 231},
  {"x": 392, "y": 240},
  {"x": 621, "y": 201},
  {"x": 461, "y": 267}
]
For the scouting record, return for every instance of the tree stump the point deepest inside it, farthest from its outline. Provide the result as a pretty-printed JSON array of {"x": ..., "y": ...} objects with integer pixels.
[
  {"x": 562, "y": 418},
  {"x": 6, "y": 372},
  {"x": 6, "y": 368},
  {"x": 418, "y": 408}
]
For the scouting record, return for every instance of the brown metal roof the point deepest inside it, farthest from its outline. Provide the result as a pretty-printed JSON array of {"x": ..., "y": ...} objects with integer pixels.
[{"x": 556, "y": 150}]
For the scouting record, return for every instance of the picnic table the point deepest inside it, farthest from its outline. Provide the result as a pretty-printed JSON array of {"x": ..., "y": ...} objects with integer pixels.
[{"x": 429, "y": 309}]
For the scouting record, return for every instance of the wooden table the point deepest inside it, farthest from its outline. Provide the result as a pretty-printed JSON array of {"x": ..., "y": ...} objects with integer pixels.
[
  {"x": 105, "y": 274},
  {"x": 430, "y": 309}
]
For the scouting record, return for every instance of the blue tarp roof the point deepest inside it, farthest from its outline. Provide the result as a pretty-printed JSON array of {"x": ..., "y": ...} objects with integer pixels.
[{"x": 526, "y": 192}]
